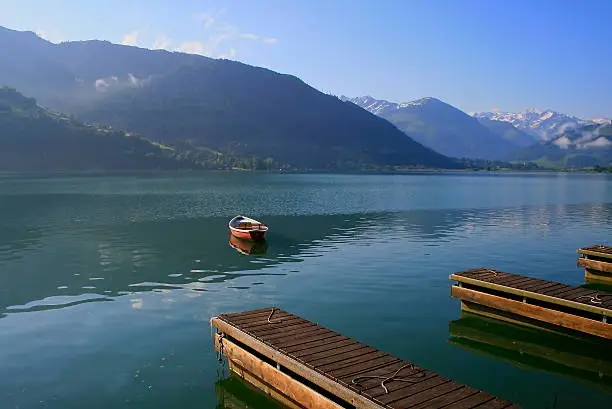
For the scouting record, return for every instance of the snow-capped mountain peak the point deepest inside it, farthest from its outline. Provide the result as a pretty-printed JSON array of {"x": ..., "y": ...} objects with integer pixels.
[
  {"x": 544, "y": 124},
  {"x": 419, "y": 102},
  {"x": 378, "y": 106},
  {"x": 375, "y": 106}
]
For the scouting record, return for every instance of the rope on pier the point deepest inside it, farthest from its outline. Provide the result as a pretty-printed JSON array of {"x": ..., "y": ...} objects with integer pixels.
[
  {"x": 393, "y": 377},
  {"x": 492, "y": 272},
  {"x": 594, "y": 299},
  {"x": 485, "y": 271},
  {"x": 270, "y": 316}
]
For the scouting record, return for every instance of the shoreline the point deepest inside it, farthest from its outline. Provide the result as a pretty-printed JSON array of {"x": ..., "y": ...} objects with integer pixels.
[{"x": 120, "y": 172}]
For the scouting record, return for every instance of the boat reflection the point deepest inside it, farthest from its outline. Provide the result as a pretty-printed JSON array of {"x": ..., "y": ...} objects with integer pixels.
[
  {"x": 247, "y": 247},
  {"x": 585, "y": 359}
]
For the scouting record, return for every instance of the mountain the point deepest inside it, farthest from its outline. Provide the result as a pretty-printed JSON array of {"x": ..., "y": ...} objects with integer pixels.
[
  {"x": 509, "y": 132},
  {"x": 203, "y": 103},
  {"x": 544, "y": 125},
  {"x": 35, "y": 139},
  {"x": 586, "y": 146},
  {"x": 440, "y": 126},
  {"x": 63, "y": 76},
  {"x": 231, "y": 106}
]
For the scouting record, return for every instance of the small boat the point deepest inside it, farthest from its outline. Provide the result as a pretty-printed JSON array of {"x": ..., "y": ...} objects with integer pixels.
[
  {"x": 247, "y": 247},
  {"x": 247, "y": 229}
]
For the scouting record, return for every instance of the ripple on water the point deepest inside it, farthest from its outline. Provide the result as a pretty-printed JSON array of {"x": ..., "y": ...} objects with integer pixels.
[{"x": 351, "y": 250}]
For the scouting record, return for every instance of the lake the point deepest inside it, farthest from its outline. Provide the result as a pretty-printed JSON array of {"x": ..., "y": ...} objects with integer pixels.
[{"x": 108, "y": 282}]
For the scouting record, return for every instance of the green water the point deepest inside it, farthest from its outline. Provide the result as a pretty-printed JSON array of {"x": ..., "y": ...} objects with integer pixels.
[{"x": 108, "y": 282}]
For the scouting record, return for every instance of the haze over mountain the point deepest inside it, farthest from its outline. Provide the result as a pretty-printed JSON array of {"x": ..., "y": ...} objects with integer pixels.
[
  {"x": 35, "y": 139},
  {"x": 544, "y": 125},
  {"x": 440, "y": 126},
  {"x": 509, "y": 132},
  {"x": 585, "y": 146},
  {"x": 223, "y": 105}
]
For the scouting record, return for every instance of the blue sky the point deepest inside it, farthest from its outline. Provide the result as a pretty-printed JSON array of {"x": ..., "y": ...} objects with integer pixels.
[{"x": 476, "y": 55}]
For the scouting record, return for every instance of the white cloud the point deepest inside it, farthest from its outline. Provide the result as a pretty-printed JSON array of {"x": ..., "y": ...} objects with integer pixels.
[
  {"x": 192, "y": 47},
  {"x": 211, "y": 45},
  {"x": 249, "y": 36},
  {"x": 102, "y": 84},
  {"x": 207, "y": 48},
  {"x": 206, "y": 19},
  {"x": 563, "y": 142},
  {"x": 161, "y": 43},
  {"x": 137, "y": 82},
  {"x": 600, "y": 142},
  {"x": 224, "y": 31},
  {"x": 231, "y": 54},
  {"x": 131, "y": 38}
]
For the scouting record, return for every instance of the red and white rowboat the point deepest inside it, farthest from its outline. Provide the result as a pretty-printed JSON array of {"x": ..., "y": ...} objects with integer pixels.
[{"x": 247, "y": 229}]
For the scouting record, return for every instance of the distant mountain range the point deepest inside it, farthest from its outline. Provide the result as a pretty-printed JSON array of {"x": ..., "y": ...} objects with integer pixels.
[
  {"x": 509, "y": 132},
  {"x": 226, "y": 108},
  {"x": 586, "y": 146},
  {"x": 547, "y": 138},
  {"x": 192, "y": 111},
  {"x": 445, "y": 128},
  {"x": 543, "y": 125}
]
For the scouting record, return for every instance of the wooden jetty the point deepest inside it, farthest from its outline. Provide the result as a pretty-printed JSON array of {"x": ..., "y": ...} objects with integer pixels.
[
  {"x": 532, "y": 301},
  {"x": 306, "y": 366},
  {"x": 597, "y": 263}
]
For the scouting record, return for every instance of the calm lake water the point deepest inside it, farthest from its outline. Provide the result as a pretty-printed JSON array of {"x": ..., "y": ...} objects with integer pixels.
[{"x": 108, "y": 282}]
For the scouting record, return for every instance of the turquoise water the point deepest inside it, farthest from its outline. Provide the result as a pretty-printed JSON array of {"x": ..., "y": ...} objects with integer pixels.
[{"x": 108, "y": 282}]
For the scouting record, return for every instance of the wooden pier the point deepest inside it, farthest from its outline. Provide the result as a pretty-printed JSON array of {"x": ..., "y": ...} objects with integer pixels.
[
  {"x": 597, "y": 263},
  {"x": 532, "y": 301},
  {"x": 306, "y": 366}
]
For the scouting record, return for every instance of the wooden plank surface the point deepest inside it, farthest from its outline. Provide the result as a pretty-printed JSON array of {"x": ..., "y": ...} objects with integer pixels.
[
  {"x": 535, "y": 312},
  {"x": 344, "y": 367},
  {"x": 596, "y": 265},
  {"x": 597, "y": 302},
  {"x": 598, "y": 250},
  {"x": 251, "y": 369}
]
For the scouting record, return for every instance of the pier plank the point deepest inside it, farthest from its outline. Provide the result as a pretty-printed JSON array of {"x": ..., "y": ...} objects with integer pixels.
[
  {"x": 335, "y": 356},
  {"x": 316, "y": 345},
  {"x": 569, "y": 296},
  {"x": 372, "y": 386},
  {"x": 601, "y": 251},
  {"x": 597, "y": 263},
  {"x": 605, "y": 267},
  {"x": 398, "y": 389},
  {"x": 319, "y": 333},
  {"x": 389, "y": 399},
  {"x": 557, "y": 288},
  {"x": 449, "y": 399},
  {"x": 291, "y": 333},
  {"x": 481, "y": 399},
  {"x": 353, "y": 362},
  {"x": 428, "y": 395},
  {"x": 332, "y": 362},
  {"x": 535, "y": 312},
  {"x": 327, "y": 350},
  {"x": 290, "y": 327}
]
